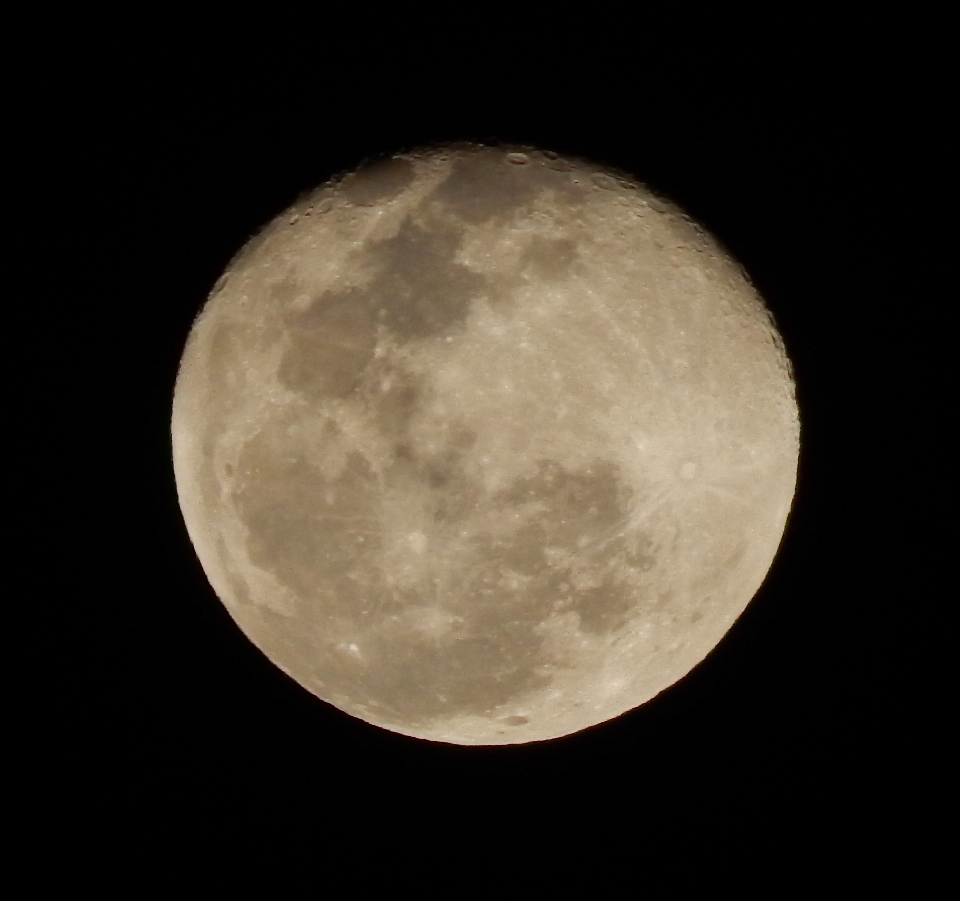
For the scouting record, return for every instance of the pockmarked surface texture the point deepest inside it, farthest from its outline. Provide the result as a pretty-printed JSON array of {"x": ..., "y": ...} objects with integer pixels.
[{"x": 484, "y": 446}]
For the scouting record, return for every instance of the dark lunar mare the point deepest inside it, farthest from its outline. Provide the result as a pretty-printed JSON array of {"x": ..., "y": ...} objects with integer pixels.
[
  {"x": 418, "y": 289},
  {"x": 307, "y": 528},
  {"x": 322, "y": 536},
  {"x": 378, "y": 182}
]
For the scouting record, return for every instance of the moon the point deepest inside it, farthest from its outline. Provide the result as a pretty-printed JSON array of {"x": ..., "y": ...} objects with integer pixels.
[{"x": 484, "y": 445}]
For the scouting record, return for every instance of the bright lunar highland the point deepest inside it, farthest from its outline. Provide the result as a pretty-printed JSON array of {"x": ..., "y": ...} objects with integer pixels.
[{"x": 484, "y": 446}]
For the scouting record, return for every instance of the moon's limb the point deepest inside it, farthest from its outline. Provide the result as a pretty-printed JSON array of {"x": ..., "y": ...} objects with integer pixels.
[{"x": 485, "y": 446}]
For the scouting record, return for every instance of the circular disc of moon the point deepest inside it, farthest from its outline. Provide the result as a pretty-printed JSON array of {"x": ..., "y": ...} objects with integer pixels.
[{"x": 484, "y": 446}]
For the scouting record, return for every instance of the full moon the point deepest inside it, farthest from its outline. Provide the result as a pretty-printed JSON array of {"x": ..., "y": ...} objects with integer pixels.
[{"x": 484, "y": 445}]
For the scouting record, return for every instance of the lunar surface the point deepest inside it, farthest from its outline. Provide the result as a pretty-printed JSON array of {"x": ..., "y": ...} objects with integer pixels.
[{"x": 484, "y": 446}]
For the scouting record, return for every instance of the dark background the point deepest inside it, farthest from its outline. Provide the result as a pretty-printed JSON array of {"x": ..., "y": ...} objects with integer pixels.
[{"x": 790, "y": 717}]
